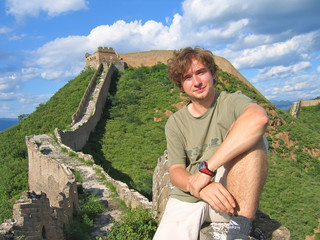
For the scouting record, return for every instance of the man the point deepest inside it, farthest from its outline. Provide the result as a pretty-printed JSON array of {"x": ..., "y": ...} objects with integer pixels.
[{"x": 217, "y": 156}]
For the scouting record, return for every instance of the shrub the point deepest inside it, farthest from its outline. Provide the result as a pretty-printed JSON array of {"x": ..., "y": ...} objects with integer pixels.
[{"x": 135, "y": 224}]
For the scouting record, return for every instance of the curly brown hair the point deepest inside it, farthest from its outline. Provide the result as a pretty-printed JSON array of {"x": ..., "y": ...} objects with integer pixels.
[{"x": 181, "y": 61}]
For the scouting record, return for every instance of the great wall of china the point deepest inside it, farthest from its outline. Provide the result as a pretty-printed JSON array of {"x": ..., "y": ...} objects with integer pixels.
[
  {"x": 296, "y": 106},
  {"x": 45, "y": 211}
]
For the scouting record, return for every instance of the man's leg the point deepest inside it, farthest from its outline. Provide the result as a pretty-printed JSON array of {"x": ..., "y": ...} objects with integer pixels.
[
  {"x": 181, "y": 220},
  {"x": 246, "y": 176}
]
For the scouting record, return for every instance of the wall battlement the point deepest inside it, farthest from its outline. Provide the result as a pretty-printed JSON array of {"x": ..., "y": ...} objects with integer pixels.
[{"x": 106, "y": 56}]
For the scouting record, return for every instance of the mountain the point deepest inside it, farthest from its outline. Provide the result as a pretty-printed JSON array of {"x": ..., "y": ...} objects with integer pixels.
[
  {"x": 7, "y": 123},
  {"x": 284, "y": 105}
]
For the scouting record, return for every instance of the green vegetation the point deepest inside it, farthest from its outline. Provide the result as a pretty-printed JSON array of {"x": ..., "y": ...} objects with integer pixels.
[
  {"x": 81, "y": 226},
  {"x": 291, "y": 196},
  {"x": 310, "y": 116},
  {"x": 56, "y": 113},
  {"x": 135, "y": 224}
]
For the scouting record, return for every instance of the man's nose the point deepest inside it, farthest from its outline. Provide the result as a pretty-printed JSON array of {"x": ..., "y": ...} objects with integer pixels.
[{"x": 196, "y": 79}]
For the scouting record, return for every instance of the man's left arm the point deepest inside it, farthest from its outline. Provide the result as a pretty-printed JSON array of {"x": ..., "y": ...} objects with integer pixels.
[{"x": 243, "y": 135}]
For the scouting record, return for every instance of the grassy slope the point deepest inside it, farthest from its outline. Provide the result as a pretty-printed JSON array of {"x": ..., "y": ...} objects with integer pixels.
[
  {"x": 56, "y": 112},
  {"x": 129, "y": 140}
]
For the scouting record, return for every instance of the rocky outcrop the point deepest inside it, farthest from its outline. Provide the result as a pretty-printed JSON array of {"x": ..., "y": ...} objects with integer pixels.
[{"x": 263, "y": 225}]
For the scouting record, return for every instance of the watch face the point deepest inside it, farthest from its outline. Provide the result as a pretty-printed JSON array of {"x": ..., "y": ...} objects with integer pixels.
[{"x": 201, "y": 166}]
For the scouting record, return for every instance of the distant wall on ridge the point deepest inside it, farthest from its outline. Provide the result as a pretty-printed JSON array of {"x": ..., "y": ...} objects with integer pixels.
[{"x": 150, "y": 58}]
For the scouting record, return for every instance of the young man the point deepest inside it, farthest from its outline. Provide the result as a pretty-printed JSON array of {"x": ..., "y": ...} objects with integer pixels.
[{"x": 216, "y": 151}]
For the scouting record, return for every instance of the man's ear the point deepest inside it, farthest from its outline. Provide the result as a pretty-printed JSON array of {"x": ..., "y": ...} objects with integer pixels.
[{"x": 182, "y": 90}]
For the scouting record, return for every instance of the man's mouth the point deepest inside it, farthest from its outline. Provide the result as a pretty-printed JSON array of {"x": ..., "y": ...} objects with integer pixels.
[{"x": 199, "y": 90}]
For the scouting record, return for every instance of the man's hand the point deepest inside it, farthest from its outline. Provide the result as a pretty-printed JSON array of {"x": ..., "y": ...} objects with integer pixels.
[
  {"x": 197, "y": 182},
  {"x": 218, "y": 197}
]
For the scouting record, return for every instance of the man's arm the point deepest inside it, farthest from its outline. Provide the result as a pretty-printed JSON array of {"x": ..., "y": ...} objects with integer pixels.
[
  {"x": 214, "y": 193},
  {"x": 179, "y": 176},
  {"x": 244, "y": 134}
]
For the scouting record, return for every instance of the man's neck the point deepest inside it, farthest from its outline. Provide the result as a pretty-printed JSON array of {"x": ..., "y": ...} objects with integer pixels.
[{"x": 199, "y": 107}]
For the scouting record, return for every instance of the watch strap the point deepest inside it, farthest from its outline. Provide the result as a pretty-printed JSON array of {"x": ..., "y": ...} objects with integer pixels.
[{"x": 203, "y": 168}]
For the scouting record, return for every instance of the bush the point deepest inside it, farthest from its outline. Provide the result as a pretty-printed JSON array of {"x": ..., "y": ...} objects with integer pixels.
[
  {"x": 81, "y": 226},
  {"x": 135, "y": 224}
]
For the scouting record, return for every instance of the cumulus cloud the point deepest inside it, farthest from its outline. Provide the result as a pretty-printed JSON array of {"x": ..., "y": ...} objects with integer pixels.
[
  {"x": 21, "y": 8},
  {"x": 305, "y": 86},
  {"x": 292, "y": 50},
  {"x": 280, "y": 72},
  {"x": 9, "y": 83}
]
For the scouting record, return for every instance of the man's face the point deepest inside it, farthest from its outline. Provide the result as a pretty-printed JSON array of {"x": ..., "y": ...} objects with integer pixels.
[{"x": 197, "y": 82}]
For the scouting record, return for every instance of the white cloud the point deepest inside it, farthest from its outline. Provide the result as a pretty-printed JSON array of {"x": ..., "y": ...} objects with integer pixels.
[
  {"x": 280, "y": 72},
  {"x": 7, "y": 96},
  {"x": 4, "y": 30},
  {"x": 64, "y": 57},
  {"x": 299, "y": 87},
  {"x": 9, "y": 83},
  {"x": 292, "y": 50},
  {"x": 21, "y": 8}
]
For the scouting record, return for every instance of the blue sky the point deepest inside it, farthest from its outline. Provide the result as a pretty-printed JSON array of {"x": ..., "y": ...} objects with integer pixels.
[{"x": 274, "y": 44}]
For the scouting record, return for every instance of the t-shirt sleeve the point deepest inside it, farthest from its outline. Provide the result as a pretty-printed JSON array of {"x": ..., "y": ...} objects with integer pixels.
[
  {"x": 240, "y": 102},
  {"x": 175, "y": 145}
]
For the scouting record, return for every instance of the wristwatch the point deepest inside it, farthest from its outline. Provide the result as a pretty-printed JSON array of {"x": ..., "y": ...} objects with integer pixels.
[{"x": 203, "y": 167}]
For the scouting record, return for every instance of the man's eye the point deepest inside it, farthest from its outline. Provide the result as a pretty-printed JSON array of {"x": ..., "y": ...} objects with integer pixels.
[
  {"x": 186, "y": 78},
  {"x": 202, "y": 71}
]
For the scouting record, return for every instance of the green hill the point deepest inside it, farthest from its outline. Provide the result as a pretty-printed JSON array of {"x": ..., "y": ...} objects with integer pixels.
[{"x": 130, "y": 137}]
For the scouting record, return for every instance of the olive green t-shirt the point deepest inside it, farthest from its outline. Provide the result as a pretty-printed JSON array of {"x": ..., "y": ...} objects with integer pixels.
[{"x": 191, "y": 140}]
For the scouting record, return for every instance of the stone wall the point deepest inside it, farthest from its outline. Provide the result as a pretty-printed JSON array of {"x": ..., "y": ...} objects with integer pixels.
[
  {"x": 45, "y": 211},
  {"x": 76, "y": 116},
  {"x": 77, "y": 138},
  {"x": 296, "y": 106}
]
